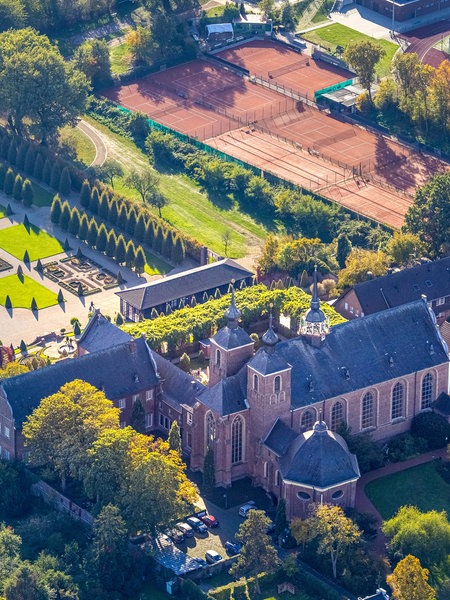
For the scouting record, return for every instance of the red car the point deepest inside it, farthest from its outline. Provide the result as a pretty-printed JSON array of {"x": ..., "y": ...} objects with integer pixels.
[{"x": 210, "y": 521}]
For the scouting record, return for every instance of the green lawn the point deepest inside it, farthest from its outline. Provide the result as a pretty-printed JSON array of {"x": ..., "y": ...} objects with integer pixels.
[
  {"x": 189, "y": 208},
  {"x": 22, "y": 291},
  {"x": 42, "y": 197},
  {"x": 410, "y": 487},
  {"x": 120, "y": 57},
  {"x": 155, "y": 265},
  {"x": 77, "y": 141},
  {"x": 334, "y": 35},
  {"x": 16, "y": 239}
]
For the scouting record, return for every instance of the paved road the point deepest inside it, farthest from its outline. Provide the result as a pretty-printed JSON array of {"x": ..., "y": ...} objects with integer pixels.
[{"x": 101, "y": 151}]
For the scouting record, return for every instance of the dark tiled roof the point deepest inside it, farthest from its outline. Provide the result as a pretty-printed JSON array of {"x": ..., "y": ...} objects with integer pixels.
[
  {"x": 431, "y": 279},
  {"x": 121, "y": 370},
  {"x": 228, "y": 395},
  {"x": 280, "y": 438},
  {"x": 364, "y": 352},
  {"x": 442, "y": 403},
  {"x": 100, "y": 334},
  {"x": 355, "y": 355},
  {"x": 320, "y": 459},
  {"x": 234, "y": 337},
  {"x": 266, "y": 362},
  {"x": 185, "y": 283},
  {"x": 177, "y": 386}
]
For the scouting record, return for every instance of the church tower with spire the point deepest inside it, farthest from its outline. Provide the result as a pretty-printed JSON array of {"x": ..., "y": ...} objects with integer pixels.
[
  {"x": 268, "y": 386},
  {"x": 315, "y": 324},
  {"x": 231, "y": 347}
]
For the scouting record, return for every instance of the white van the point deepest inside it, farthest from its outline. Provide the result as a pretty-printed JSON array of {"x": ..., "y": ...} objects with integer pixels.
[{"x": 245, "y": 508}]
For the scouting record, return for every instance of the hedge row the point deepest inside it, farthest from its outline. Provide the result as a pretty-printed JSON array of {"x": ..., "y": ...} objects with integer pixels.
[
  {"x": 14, "y": 185},
  {"x": 197, "y": 322}
]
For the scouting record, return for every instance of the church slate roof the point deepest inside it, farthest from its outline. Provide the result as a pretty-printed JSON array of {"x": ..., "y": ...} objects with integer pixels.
[
  {"x": 319, "y": 459},
  {"x": 267, "y": 363},
  {"x": 228, "y": 395},
  {"x": 430, "y": 278},
  {"x": 178, "y": 388},
  {"x": 364, "y": 352},
  {"x": 100, "y": 333},
  {"x": 354, "y": 355},
  {"x": 280, "y": 438},
  {"x": 185, "y": 283},
  {"x": 120, "y": 371},
  {"x": 229, "y": 338}
]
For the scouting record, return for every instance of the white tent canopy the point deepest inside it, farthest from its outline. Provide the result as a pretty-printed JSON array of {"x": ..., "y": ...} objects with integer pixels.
[{"x": 220, "y": 28}]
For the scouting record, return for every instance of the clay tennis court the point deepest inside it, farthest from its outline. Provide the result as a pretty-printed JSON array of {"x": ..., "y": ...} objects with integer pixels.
[
  {"x": 289, "y": 68},
  {"x": 272, "y": 130},
  {"x": 200, "y": 99}
]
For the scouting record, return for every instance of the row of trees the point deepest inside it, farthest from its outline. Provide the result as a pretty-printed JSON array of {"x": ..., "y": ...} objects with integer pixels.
[
  {"x": 14, "y": 185},
  {"x": 416, "y": 97},
  {"x": 36, "y": 162},
  {"x": 200, "y": 321},
  {"x": 96, "y": 235},
  {"x": 134, "y": 220}
]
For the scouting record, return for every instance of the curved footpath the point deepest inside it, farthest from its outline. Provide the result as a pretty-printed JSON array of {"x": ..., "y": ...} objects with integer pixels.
[{"x": 363, "y": 504}]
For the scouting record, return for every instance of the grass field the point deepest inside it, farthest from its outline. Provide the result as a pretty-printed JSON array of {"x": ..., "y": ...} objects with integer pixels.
[
  {"x": 77, "y": 141},
  {"x": 16, "y": 239},
  {"x": 334, "y": 35},
  {"x": 189, "y": 208},
  {"x": 410, "y": 487},
  {"x": 120, "y": 57},
  {"x": 23, "y": 290},
  {"x": 42, "y": 197},
  {"x": 155, "y": 265}
]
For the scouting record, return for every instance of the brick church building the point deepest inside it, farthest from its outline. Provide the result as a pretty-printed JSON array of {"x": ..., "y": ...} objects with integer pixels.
[{"x": 270, "y": 415}]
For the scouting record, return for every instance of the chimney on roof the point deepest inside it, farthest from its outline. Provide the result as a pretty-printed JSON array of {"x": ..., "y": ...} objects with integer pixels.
[{"x": 369, "y": 275}]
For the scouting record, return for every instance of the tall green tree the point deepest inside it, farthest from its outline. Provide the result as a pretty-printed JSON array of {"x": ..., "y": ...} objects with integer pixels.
[
  {"x": 17, "y": 189},
  {"x": 92, "y": 58},
  {"x": 74, "y": 223},
  {"x": 94, "y": 201},
  {"x": 28, "y": 61},
  {"x": 109, "y": 170},
  {"x": 111, "y": 554},
  {"x": 140, "y": 260},
  {"x": 409, "y": 581},
  {"x": 360, "y": 262},
  {"x": 24, "y": 584},
  {"x": 64, "y": 218},
  {"x": 344, "y": 247},
  {"x": 145, "y": 183},
  {"x": 429, "y": 214},
  {"x": 92, "y": 233},
  {"x": 335, "y": 532},
  {"x": 27, "y": 193},
  {"x": 258, "y": 554},
  {"x": 38, "y": 167},
  {"x": 103, "y": 208},
  {"x": 424, "y": 535},
  {"x": 209, "y": 470},
  {"x": 120, "y": 252},
  {"x": 10, "y": 548},
  {"x": 65, "y": 182},
  {"x": 175, "y": 437},
  {"x": 139, "y": 230},
  {"x": 64, "y": 425},
  {"x": 130, "y": 254},
  {"x": 56, "y": 209},
  {"x": 111, "y": 244},
  {"x": 8, "y": 184},
  {"x": 102, "y": 238},
  {"x": 12, "y": 14},
  {"x": 84, "y": 227},
  {"x": 85, "y": 194},
  {"x": 363, "y": 57}
]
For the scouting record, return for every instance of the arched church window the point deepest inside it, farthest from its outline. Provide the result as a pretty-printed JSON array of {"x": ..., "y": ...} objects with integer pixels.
[
  {"x": 277, "y": 384},
  {"x": 427, "y": 391},
  {"x": 368, "y": 411},
  {"x": 255, "y": 383},
  {"x": 277, "y": 478},
  {"x": 237, "y": 440},
  {"x": 210, "y": 429},
  {"x": 266, "y": 470},
  {"x": 337, "y": 415},
  {"x": 307, "y": 420},
  {"x": 398, "y": 394},
  {"x": 218, "y": 357}
]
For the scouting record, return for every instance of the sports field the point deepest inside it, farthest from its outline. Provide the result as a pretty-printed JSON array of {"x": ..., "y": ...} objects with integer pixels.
[{"x": 267, "y": 119}]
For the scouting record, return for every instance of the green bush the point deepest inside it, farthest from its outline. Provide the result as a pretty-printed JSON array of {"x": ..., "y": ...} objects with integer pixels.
[
  {"x": 404, "y": 446},
  {"x": 431, "y": 427}
]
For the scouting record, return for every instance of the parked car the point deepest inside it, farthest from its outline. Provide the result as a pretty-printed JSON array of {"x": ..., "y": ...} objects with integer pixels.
[
  {"x": 212, "y": 556},
  {"x": 232, "y": 548},
  {"x": 245, "y": 508},
  {"x": 197, "y": 525},
  {"x": 176, "y": 536},
  {"x": 185, "y": 529},
  {"x": 210, "y": 521}
]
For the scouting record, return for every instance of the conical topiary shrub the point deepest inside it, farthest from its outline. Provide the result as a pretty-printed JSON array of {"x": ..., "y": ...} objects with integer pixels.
[
  {"x": 8, "y": 303},
  {"x": 80, "y": 289},
  {"x": 26, "y": 257},
  {"x": 26, "y": 222},
  {"x": 34, "y": 305},
  {"x": 9, "y": 210},
  {"x": 39, "y": 266},
  {"x": 23, "y": 347},
  {"x": 60, "y": 297}
]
